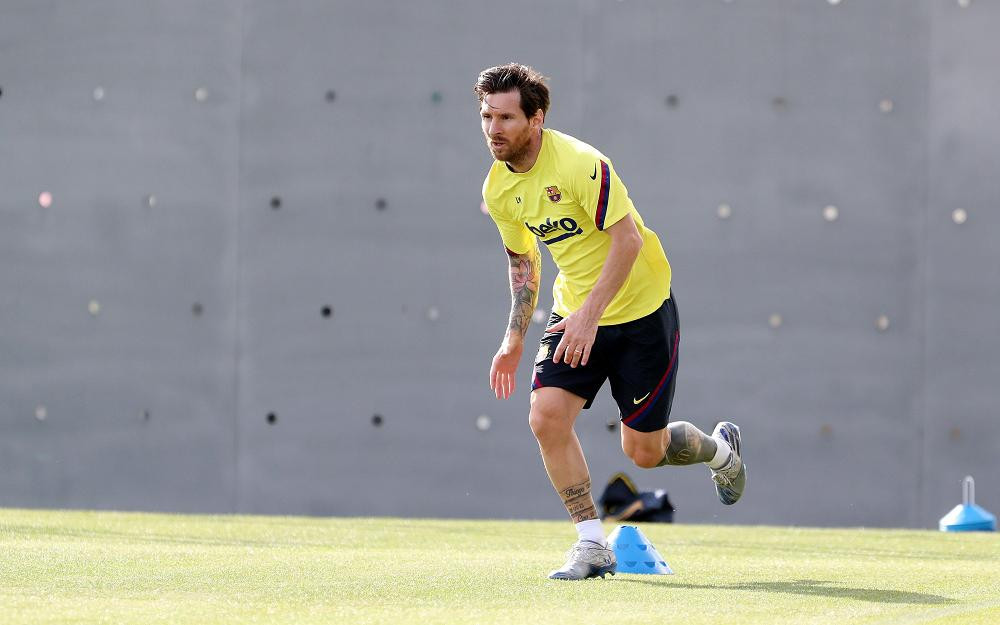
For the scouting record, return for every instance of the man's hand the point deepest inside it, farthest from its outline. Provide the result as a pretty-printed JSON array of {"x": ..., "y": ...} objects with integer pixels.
[
  {"x": 579, "y": 332},
  {"x": 580, "y": 327},
  {"x": 504, "y": 368}
]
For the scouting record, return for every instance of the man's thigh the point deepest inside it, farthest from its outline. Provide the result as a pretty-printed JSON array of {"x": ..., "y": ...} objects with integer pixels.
[
  {"x": 582, "y": 381},
  {"x": 556, "y": 404},
  {"x": 644, "y": 370}
]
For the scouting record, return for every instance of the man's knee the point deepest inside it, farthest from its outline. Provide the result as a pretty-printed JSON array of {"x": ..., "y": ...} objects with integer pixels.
[
  {"x": 547, "y": 423},
  {"x": 645, "y": 458},
  {"x": 646, "y": 450}
]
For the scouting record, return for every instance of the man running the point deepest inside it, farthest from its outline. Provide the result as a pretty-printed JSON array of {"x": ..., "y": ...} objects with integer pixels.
[{"x": 613, "y": 316}]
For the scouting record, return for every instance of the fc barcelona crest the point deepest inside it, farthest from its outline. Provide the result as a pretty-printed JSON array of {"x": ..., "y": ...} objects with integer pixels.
[{"x": 554, "y": 194}]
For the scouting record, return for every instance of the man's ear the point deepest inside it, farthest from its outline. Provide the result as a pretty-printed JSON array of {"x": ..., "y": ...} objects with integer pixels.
[{"x": 537, "y": 119}]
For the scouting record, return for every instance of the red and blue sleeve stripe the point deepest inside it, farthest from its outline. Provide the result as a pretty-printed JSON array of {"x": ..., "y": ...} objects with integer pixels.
[{"x": 602, "y": 197}]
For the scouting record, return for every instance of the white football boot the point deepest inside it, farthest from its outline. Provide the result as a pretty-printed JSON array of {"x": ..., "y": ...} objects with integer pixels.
[
  {"x": 731, "y": 479},
  {"x": 585, "y": 560}
]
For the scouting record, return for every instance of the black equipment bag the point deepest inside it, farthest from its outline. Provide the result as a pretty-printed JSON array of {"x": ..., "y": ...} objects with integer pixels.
[{"x": 622, "y": 501}]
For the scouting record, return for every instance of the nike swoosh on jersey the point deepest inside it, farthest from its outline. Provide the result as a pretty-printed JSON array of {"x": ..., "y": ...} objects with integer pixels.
[
  {"x": 593, "y": 176},
  {"x": 639, "y": 401}
]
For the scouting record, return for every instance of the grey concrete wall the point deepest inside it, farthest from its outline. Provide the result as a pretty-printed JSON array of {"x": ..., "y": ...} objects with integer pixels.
[{"x": 264, "y": 283}]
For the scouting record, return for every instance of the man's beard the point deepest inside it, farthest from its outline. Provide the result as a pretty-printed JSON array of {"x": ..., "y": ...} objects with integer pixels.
[{"x": 515, "y": 152}]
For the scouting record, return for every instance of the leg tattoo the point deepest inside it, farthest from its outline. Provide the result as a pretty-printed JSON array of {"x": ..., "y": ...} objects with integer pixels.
[
  {"x": 578, "y": 502},
  {"x": 688, "y": 445}
]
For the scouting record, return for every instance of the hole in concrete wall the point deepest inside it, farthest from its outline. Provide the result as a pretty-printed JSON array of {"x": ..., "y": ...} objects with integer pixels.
[
  {"x": 611, "y": 425},
  {"x": 331, "y": 95},
  {"x": 377, "y": 420},
  {"x": 779, "y": 103},
  {"x": 327, "y": 311},
  {"x": 197, "y": 309},
  {"x": 1, "y": 92},
  {"x": 882, "y": 323},
  {"x": 381, "y": 204},
  {"x": 436, "y": 97},
  {"x": 272, "y": 418},
  {"x": 146, "y": 415},
  {"x": 276, "y": 202},
  {"x": 673, "y": 101}
]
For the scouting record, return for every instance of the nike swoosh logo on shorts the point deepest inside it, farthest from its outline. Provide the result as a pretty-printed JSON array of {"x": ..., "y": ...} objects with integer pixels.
[
  {"x": 639, "y": 401},
  {"x": 593, "y": 176}
]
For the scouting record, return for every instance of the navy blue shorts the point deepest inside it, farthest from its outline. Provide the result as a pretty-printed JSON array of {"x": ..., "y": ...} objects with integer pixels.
[{"x": 639, "y": 357}]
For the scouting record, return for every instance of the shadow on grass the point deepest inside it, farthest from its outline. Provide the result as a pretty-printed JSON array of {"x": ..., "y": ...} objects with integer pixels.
[{"x": 808, "y": 587}]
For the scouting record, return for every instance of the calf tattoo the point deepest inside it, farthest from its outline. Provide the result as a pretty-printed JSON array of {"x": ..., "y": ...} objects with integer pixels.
[
  {"x": 578, "y": 502},
  {"x": 688, "y": 445}
]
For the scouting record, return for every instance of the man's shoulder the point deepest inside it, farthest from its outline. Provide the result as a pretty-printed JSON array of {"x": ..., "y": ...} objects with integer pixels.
[
  {"x": 489, "y": 182},
  {"x": 576, "y": 161},
  {"x": 570, "y": 148},
  {"x": 497, "y": 189}
]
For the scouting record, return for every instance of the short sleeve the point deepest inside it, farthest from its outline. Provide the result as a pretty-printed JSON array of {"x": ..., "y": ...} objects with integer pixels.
[
  {"x": 516, "y": 237},
  {"x": 602, "y": 194}
]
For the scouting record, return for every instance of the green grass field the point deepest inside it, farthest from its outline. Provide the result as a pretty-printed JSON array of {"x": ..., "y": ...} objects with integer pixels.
[{"x": 102, "y": 567}]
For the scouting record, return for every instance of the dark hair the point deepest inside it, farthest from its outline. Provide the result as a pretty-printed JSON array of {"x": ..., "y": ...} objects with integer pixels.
[{"x": 514, "y": 76}]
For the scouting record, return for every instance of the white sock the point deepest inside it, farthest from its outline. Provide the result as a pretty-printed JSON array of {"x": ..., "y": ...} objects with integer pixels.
[
  {"x": 591, "y": 530},
  {"x": 722, "y": 453}
]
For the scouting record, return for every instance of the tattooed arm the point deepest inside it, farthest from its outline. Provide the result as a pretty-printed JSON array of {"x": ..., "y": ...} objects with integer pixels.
[{"x": 525, "y": 275}]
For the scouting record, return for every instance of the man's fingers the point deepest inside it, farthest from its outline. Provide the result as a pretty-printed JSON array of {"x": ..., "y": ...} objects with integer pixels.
[
  {"x": 493, "y": 378},
  {"x": 557, "y": 355},
  {"x": 586, "y": 354},
  {"x": 558, "y": 327}
]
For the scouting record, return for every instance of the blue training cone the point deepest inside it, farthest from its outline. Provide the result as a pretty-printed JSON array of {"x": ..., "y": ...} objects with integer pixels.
[
  {"x": 635, "y": 553},
  {"x": 967, "y": 516}
]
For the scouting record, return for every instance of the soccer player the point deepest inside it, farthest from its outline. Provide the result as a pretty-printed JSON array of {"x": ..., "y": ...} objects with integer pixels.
[{"x": 613, "y": 314}]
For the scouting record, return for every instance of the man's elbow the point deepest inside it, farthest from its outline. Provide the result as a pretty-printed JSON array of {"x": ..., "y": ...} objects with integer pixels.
[{"x": 635, "y": 243}]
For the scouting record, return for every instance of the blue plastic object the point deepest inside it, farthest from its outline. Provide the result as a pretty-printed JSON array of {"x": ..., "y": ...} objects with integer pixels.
[
  {"x": 967, "y": 516},
  {"x": 635, "y": 553}
]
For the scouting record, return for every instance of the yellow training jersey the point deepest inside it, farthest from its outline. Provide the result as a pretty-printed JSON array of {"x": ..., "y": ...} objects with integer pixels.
[{"x": 570, "y": 195}]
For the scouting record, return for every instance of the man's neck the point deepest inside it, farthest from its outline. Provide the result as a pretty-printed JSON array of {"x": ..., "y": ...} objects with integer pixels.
[{"x": 526, "y": 162}]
